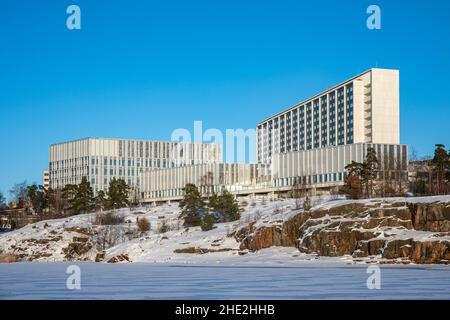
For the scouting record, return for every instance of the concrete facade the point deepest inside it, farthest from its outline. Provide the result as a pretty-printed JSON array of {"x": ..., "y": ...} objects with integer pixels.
[
  {"x": 101, "y": 159},
  {"x": 326, "y": 166},
  {"x": 168, "y": 183},
  {"x": 363, "y": 109}
]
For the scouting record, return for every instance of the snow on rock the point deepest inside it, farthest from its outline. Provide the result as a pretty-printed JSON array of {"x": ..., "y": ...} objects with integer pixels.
[{"x": 407, "y": 229}]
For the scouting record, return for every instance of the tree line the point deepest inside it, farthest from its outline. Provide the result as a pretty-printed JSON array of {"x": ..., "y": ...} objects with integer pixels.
[
  {"x": 372, "y": 177},
  {"x": 431, "y": 176},
  {"x": 72, "y": 199}
]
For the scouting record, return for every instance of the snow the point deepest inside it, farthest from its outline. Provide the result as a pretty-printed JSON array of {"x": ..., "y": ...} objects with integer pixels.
[
  {"x": 46, "y": 239},
  {"x": 309, "y": 280},
  {"x": 156, "y": 272},
  {"x": 326, "y": 205}
]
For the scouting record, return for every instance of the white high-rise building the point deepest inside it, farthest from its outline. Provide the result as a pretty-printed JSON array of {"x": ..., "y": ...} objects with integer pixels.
[
  {"x": 363, "y": 109},
  {"x": 101, "y": 159}
]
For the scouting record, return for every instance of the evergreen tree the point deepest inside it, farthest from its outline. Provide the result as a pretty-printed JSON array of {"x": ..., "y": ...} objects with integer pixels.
[
  {"x": 100, "y": 200},
  {"x": 208, "y": 222},
  {"x": 118, "y": 193},
  {"x": 353, "y": 179},
  {"x": 368, "y": 172},
  {"x": 441, "y": 163},
  {"x": 69, "y": 192},
  {"x": 83, "y": 200},
  {"x": 191, "y": 205},
  {"x": 214, "y": 202},
  {"x": 38, "y": 197},
  {"x": 226, "y": 204}
]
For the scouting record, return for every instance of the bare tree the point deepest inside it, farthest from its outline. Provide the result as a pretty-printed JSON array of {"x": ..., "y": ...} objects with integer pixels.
[
  {"x": 299, "y": 191},
  {"x": 107, "y": 236},
  {"x": 19, "y": 195},
  {"x": 413, "y": 155}
]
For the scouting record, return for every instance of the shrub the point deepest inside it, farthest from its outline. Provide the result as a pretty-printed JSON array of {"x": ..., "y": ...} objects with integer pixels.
[
  {"x": 307, "y": 204},
  {"x": 208, "y": 222},
  {"x": 108, "y": 218},
  {"x": 143, "y": 224},
  {"x": 164, "y": 227},
  {"x": 108, "y": 236}
]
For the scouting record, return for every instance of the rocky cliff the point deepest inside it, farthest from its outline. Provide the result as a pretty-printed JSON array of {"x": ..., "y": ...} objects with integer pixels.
[{"x": 397, "y": 230}]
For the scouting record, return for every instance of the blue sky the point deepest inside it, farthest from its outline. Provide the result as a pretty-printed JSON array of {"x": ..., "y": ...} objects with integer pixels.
[{"x": 140, "y": 69}]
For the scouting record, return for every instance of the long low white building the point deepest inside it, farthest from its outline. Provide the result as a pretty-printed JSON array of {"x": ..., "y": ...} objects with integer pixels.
[
  {"x": 326, "y": 166},
  {"x": 167, "y": 183},
  {"x": 101, "y": 159},
  {"x": 319, "y": 169}
]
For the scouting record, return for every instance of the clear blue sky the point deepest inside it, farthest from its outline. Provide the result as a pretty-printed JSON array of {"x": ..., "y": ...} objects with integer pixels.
[{"x": 140, "y": 69}]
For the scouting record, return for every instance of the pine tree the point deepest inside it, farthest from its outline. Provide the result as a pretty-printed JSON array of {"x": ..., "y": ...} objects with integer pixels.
[
  {"x": 191, "y": 205},
  {"x": 368, "y": 173},
  {"x": 213, "y": 203},
  {"x": 118, "y": 193},
  {"x": 83, "y": 200},
  {"x": 353, "y": 179},
  {"x": 208, "y": 222},
  {"x": 100, "y": 200},
  {"x": 226, "y": 204},
  {"x": 38, "y": 197},
  {"x": 441, "y": 163},
  {"x": 68, "y": 192}
]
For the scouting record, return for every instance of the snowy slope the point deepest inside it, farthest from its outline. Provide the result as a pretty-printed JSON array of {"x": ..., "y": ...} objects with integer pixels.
[{"x": 49, "y": 240}]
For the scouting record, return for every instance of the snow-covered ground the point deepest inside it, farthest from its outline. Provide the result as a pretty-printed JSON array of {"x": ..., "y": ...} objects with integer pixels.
[
  {"x": 46, "y": 240},
  {"x": 157, "y": 272},
  {"x": 307, "y": 280}
]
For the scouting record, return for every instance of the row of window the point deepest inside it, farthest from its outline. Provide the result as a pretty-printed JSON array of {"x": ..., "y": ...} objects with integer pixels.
[
  {"x": 313, "y": 125},
  {"x": 313, "y": 179}
]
